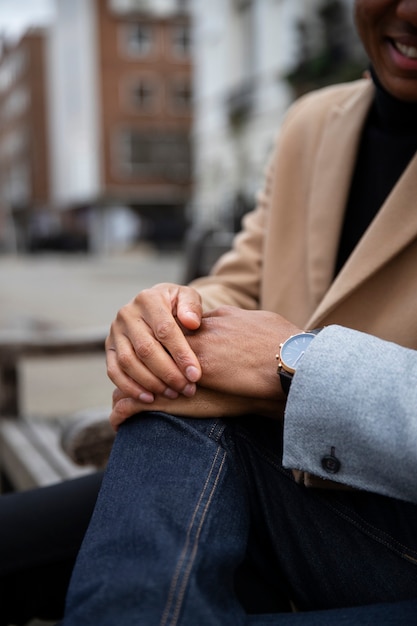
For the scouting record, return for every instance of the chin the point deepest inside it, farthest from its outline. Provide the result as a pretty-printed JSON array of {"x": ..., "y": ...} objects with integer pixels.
[{"x": 400, "y": 88}]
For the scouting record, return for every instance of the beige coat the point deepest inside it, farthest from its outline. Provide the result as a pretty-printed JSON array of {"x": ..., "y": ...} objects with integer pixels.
[{"x": 284, "y": 259}]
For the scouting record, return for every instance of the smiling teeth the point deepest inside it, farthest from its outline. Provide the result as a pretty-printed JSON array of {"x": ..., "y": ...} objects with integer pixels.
[{"x": 407, "y": 51}]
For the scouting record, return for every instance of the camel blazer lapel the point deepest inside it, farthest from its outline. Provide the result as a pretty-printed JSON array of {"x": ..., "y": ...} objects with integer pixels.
[
  {"x": 394, "y": 227},
  {"x": 333, "y": 169},
  {"x": 392, "y": 230},
  {"x": 302, "y": 240},
  {"x": 284, "y": 258}
]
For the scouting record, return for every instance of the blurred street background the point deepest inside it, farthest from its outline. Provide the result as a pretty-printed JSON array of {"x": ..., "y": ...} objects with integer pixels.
[
  {"x": 127, "y": 128},
  {"x": 135, "y": 120},
  {"x": 73, "y": 292}
]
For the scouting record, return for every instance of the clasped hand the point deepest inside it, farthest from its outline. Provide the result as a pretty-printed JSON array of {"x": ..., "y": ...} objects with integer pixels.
[{"x": 164, "y": 354}]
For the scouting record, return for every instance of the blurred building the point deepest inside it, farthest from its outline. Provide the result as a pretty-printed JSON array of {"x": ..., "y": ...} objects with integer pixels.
[
  {"x": 116, "y": 96},
  {"x": 24, "y": 156},
  {"x": 252, "y": 58}
]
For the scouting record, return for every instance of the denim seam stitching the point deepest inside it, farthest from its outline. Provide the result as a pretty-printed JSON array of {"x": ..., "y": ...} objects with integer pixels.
[
  {"x": 185, "y": 551},
  {"x": 384, "y": 538},
  {"x": 217, "y": 426},
  {"x": 376, "y": 529},
  {"x": 389, "y": 542}
]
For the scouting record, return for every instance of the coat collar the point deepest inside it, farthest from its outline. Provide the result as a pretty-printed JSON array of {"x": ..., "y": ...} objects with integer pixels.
[{"x": 392, "y": 229}]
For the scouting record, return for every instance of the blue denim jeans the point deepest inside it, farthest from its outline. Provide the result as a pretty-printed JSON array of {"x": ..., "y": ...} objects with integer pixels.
[{"x": 198, "y": 524}]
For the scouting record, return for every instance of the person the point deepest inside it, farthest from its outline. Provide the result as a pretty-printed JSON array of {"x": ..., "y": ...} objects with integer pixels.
[
  {"x": 379, "y": 379},
  {"x": 371, "y": 372},
  {"x": 198, "y": 520},
  {"x": 47, "y": 525},
  {"x": 331, "y": 241}
]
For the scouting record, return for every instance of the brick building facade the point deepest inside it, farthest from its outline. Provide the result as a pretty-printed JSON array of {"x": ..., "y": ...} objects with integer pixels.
[{"x": 95, "y": 123}]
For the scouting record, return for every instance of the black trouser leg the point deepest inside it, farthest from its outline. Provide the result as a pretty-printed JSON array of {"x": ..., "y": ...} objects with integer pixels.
[{"x": 40, "y": 534}]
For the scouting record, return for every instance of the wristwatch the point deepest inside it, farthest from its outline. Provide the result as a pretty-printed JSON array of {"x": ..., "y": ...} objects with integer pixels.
[{"x": 290, "y": 354}]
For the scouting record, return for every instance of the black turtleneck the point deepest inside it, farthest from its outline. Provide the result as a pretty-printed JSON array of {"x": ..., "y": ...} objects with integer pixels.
[{"x": 389, "y": 141}]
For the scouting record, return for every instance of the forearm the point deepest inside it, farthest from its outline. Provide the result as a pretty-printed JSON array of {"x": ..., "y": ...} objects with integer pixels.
[{"x": 206, "y": 403}]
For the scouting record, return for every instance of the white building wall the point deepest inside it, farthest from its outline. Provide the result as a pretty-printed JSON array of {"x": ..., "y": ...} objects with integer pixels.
[
  {"x": 72, "y": 103},
  {"x": 232, "y": 48}
]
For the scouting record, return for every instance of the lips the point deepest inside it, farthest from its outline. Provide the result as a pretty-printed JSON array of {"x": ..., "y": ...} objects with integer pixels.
[{"x": 408, "y": 51}]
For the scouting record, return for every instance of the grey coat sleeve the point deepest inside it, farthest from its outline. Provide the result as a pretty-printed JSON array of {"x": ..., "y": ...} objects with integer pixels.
[{"x": 354, "y": 397}]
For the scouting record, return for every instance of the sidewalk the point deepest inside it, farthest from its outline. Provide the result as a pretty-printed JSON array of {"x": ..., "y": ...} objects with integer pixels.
[{"x": 71, "y": 291}]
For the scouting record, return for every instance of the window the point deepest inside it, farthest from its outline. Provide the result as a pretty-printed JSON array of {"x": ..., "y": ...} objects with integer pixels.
[
  {"x": 241, "y": 5},
  {"x": 138, "y": 39},
  {"x": 15, "y": 142},
  {"x": 143, "y": 95},
  {"x": 243, "y": 42},
  {"x": 126, "y": 6},
  {"x": 155, "y": 155},
  {"x": 16, "y": 103},
  {"x": 12, "y": 68},
  {"x": 181, "y": 41},
  {"x": 18, "y": 186},
  {"x": 181, "y": 96}
]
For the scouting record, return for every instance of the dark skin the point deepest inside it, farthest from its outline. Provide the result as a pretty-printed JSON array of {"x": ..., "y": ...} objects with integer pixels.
[
  {"x": 235, "y": 377},
  {"x": 163, "y": 353},
  {"x": 388, "y": 31}
]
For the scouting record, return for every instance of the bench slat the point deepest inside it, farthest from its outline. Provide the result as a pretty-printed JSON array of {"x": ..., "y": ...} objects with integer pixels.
[
  {"x": 30, "y": 343},
  {"x": 18, "y": 344},
  {"x": 31, "y": 456}
]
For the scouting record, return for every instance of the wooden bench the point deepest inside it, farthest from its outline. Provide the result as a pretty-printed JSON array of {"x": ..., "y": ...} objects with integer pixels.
[{"x": 31, "y": 454}]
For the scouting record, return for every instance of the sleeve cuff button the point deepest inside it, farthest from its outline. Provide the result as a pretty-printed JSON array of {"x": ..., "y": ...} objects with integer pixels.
[{"x": 330, "y": 464}]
